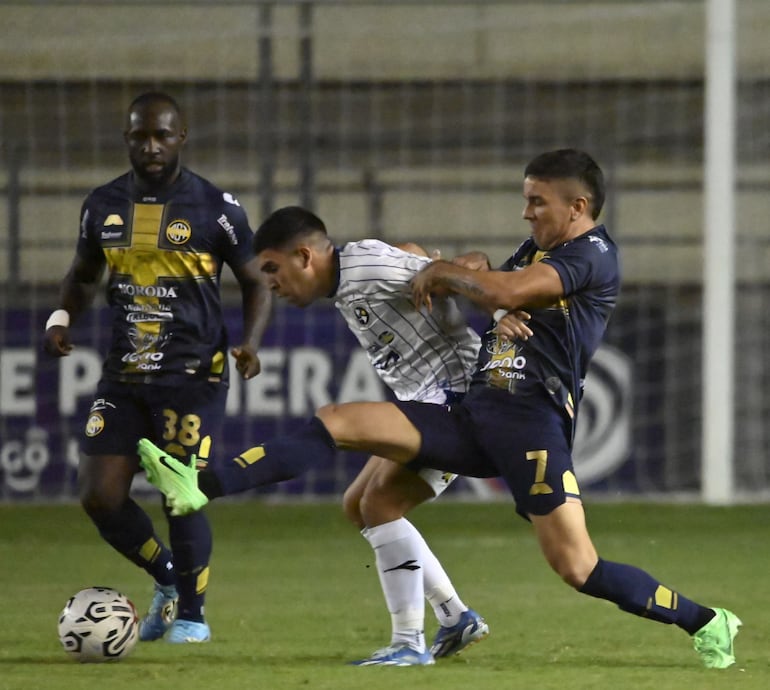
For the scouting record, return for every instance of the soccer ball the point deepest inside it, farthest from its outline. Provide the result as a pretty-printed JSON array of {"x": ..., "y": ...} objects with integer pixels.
[{"x": 98, "y": 624}]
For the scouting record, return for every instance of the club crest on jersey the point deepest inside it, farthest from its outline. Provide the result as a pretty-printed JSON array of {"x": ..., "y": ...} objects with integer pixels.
[
  {"x": 95, "y": 424},
  {"x": 178, "y": 231},
  {"x": 362, "y": 316}
]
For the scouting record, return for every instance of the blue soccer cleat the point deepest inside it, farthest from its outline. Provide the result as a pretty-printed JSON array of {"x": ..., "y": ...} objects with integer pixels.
[
  {"x": 471, "y": 628},
  {"x": 160, "y": 615},
  {"x": 183, "y": 631},
  {"x": 396, "y": 655}
]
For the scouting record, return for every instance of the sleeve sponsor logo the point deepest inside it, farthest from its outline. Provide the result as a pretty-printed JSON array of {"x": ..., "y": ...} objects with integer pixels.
[
  {"x": 599, "y": 242},
  {"x": 227, "y": 226}
]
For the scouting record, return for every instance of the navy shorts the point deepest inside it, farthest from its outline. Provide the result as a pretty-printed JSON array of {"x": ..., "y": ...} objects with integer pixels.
[
  {"x": 526, "y": 440},
  {"x": 175, "y": 418}
]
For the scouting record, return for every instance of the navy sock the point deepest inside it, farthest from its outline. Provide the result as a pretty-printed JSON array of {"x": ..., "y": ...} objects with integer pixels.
[
  {"x": 274, "y": 461},
  {"x": 129, "y": 531},
  {"x": 637, "y": 592},
  {"x": 190, "y": 539}
]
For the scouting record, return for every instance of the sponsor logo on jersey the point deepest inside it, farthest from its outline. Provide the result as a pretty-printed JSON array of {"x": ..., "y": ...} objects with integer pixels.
[
  {"x": 159, "y": 312},
  {"x": 149, "y": 316},
  {"x": 111, "y": 235},
  {"x": 506, "y": 367},
  {"x": 228, "y": 228},
  {"x": 178, "y": 231},
  {"x": 495, "y": 345},
  {"x": 230, "y": 199},
  {"x": 506, "y": 364},
  {"x": 142, "y": 341},
  {"x": 147, "y": 290},
  {"x": 136, "y": 357},
  {"x": 113, "y": 219},
  {"x": 95, "y": 424}
]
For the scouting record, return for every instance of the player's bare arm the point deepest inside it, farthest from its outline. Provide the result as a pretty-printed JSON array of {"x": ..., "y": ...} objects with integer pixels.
[
  {"x": 77, "y": 294},
  {"x": 537, "y": 285},
  {"x": 257, "y": 307}
]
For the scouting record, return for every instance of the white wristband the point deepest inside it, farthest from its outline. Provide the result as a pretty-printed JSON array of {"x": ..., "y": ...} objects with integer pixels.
[
  {"x": 499, "y": 314},
  {"x": 60, "y": 317}
]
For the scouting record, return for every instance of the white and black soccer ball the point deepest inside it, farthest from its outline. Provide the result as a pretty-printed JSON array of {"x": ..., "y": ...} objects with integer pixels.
[{"x": 98, "y": 624}]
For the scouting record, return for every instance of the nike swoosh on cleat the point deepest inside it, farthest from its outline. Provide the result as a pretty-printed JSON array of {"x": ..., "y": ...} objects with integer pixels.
[{"x": 163, "y": 461}]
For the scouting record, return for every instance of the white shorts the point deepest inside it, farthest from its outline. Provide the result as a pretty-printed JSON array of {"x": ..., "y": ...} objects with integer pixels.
[{"x": 437, "y": 480}]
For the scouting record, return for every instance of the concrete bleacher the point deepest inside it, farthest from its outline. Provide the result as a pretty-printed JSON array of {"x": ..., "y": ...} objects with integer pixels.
[
  {"x": 659, "y": 230},
  {"x": 622, "y": 79}
]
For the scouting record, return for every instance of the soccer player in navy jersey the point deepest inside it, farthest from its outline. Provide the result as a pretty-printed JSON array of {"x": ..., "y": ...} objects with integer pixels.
[
  {"x": 518, "y": 419},
  {"x": 162, "y": 234}
]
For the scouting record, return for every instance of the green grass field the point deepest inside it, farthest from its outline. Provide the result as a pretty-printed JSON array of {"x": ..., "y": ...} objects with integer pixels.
[{"x": 293, "y": 596}]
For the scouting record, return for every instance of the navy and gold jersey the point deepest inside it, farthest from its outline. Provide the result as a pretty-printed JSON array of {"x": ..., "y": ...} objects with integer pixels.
[
  {"x": 164, "y": 257},
  {"x": 567, "y": 333}
]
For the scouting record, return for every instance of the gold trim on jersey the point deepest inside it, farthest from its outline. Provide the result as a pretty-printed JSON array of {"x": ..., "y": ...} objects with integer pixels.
[
  {"x": 145, "y": 264},
  {"x": 562, "y": 302}
]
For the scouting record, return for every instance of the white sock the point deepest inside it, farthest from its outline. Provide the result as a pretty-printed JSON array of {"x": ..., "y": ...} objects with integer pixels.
[
  {"x": 439, "y": 591},
  {"x": 399, "y": 557}
]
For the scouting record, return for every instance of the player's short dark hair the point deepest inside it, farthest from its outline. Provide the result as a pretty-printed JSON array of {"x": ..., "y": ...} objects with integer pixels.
[
  {"x": 571, "y": 164},
  {"x": 286, "y": 225},
  {"x": 148, "y": 97}
]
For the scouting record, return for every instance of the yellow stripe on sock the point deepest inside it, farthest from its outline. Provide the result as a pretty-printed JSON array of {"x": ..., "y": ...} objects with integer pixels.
[
  {"x": 150, "y": 550},
  {"x": 202, "y": 581}
]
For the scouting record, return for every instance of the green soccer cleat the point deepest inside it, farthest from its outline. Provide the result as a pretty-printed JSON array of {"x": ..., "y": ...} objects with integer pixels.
[
  {"x": 177, "y": 481},
  {"x": 714, "y": 641}
]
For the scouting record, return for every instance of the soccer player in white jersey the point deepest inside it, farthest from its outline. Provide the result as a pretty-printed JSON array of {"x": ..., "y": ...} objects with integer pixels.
[{"x": 420, "y": 356}]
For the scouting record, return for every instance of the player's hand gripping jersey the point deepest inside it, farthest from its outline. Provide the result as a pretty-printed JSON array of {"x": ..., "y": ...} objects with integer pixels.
[{"x": 164, "y": 256}]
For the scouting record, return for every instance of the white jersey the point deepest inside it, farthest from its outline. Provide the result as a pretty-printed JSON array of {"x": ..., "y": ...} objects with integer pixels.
[{"x": 415, "y": 353}]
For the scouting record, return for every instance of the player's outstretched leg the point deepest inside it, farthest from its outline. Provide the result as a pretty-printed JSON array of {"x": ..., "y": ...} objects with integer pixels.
[
  {"x": 177, "y": 481},
  {"x": 470, "y": 629},
  {"x": 714, "y": 641}
]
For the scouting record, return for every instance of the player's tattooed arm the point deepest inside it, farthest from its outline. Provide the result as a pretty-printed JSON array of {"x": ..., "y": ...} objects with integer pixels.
[
  {"x": 536, "y": 285},
  {"x": 442, "y": 278}
]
